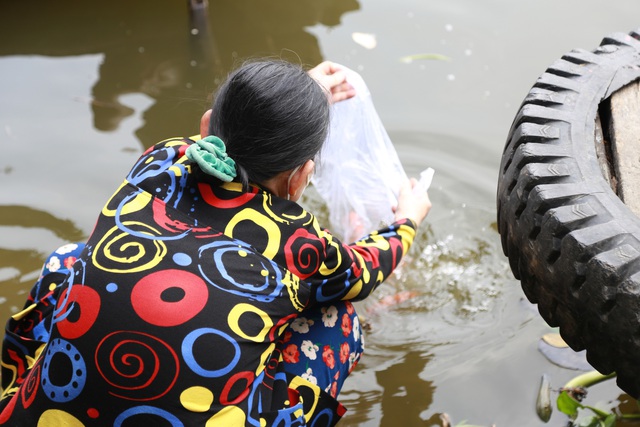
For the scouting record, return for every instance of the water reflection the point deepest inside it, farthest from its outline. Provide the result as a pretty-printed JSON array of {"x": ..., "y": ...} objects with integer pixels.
[
  {"x": 405, "y": 394},
  {"x": 156, "y": 50},
  {"x": 19, "y": 262},
  {"x": 388, "y": 389},
  {"x": 26, "y": 216},
  {"x": 15, "y": 263}
]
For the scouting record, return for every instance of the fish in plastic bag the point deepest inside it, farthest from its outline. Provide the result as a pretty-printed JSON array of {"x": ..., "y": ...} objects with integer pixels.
[{"x": 358, "y": 172}]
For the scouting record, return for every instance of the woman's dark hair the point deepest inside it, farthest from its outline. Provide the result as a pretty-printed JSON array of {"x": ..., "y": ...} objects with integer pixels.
[{"x": 272, "y": 117}]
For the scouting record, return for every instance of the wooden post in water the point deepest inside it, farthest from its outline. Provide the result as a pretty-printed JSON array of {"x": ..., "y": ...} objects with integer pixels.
[
  {"x": 204, "y": 47},
  {"x": 625, "y": 144},
  {"x": 198, "y": 12}
]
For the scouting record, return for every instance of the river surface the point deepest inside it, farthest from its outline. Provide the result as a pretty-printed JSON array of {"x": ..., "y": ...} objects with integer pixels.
[{"x": 85, "y": 87}]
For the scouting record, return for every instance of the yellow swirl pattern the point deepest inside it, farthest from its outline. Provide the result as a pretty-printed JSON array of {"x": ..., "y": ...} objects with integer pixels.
[
  {"x": 243, "y": 308},
  {"x": 324, "y": 269},
  {"x": 292, "y": 282},
  {"x": 366, "y": 275},
  {"x": 117, "y": 240},
  {"x": 266, "y": 204},
  {"x": 136, "y": 204},
  {"x": 262, "y": 221},
  {"x": 407, "y": 234},
  {"x": 354, "y": 291},
  {"x": 376, "y": 241}
]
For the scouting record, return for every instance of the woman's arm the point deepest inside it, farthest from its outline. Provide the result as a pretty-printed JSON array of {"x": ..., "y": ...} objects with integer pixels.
[{"x": 353, "y": 271}]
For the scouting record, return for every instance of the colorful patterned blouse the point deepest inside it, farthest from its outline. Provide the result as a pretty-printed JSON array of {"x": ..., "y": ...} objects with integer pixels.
[{"x": 171, "y": 314}]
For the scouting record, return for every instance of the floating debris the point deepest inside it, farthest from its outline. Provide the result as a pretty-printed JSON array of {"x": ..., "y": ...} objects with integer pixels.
[
  {"x": 553, "y": 347},
  {"x": 424, "y": 56},
  {"x": 543, "y": 402},
  {"x": 366, "y": 40},
  {"x": 554, "y": 340}
]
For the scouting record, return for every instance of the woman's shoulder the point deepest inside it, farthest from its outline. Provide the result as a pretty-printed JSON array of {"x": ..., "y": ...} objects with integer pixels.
[
  {"x": 159, "y": 159},
  {"x": 175, "y": 143}
]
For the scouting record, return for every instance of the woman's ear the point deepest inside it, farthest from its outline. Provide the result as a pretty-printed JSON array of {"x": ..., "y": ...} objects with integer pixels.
[
  {"x": 300, "y": 179},
  {"x": 204, "y": 124}
]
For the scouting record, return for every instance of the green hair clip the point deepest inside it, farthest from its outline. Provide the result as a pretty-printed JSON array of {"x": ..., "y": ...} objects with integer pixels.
[{"x": 210, "y": 154}]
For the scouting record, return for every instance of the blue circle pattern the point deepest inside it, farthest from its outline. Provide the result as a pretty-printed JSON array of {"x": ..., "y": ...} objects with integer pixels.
[
  {"x": 75, "y": 385},
  {"x": 187, "y": 353},
  {"x": 146, "y": 409},
  {"x": 246, "y": 289}
]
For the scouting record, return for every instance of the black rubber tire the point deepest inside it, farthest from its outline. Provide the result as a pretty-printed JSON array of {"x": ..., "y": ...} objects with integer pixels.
[{"x": 572, "y": 243}]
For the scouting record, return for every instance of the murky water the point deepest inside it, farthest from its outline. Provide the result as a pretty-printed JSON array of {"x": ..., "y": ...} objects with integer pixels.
[{"x": 86, "y": 86}]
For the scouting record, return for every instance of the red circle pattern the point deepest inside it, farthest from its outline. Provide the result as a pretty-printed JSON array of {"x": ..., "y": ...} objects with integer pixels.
[
  {"x": 88, "y": 301},
  {"x": 147, "y": 302}
]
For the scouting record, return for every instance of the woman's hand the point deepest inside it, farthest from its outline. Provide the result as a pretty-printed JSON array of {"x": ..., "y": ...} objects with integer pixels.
[
  {"x": 413, "y": 205},
  {"x": 334, "y": 80}
]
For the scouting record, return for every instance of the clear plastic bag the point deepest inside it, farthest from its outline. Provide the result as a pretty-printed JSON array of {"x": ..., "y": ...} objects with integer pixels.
[{"x": 358, "y": 172}]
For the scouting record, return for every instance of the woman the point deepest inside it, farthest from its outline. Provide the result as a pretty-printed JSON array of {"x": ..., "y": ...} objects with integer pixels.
[{"x": 206, "y": 295}]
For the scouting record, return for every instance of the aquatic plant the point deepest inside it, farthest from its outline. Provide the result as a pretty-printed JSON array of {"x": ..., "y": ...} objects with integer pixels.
[{"x": 570, "y": 402}]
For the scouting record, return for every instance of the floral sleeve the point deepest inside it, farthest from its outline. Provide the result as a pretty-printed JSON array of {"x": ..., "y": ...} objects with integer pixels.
[{"x": 352, "y": 272}]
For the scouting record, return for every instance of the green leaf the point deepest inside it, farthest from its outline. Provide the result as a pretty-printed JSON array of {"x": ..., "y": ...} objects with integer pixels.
[
  {"x": 610, "y": 421},
  {"x": 420, "y": 56},
  {"x": 590, "y": 421},
  {"x": 602, "y": 420},
  {"x": 568, "y": 405},
  {"x": 599, "y": 412}
]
